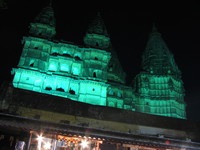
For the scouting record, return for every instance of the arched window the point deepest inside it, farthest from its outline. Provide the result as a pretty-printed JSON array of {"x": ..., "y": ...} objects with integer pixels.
[
  {"x": 77, "y": 58},
  {"x": 94, "y": 74},
  {"x": 72, "y": 91},
  {"x": 31, "y": 64},
  {"x": 60, "y": 89},
  {"x": 54, "y": 53},
  {"x": 48, "y": 88},
  {"x": 66, "y": 54}
]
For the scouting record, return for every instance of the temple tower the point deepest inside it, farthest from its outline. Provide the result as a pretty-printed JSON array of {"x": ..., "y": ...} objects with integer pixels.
[
  {"x": 62, "y": 68},
  {"x": 91, "y": 73},
  {"x": 158, "y": 87},
  {"x": 44, "y": 24},
  {"x": 97, "y": 36},
  {"x": 97, "y": 43}
]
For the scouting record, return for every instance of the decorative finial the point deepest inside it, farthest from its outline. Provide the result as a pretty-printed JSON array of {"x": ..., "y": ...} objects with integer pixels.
[
  {"x": 154, "y": 29},
  {"x": 50, "y": 3},
  {"x": 98, "y": 14}
]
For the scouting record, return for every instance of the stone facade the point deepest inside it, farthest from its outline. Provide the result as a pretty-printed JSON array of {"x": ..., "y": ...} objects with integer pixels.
[
  {"x": 158, "y": 87},
  {"x": 91, "y": 73}
]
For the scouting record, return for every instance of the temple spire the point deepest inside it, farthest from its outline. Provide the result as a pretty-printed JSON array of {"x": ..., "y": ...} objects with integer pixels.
[
  {"x": 154, "y": 29},
  {"x": 158, "y": 86},
  {"x": 97, "y": 35},
  {"x": 98, "y": 26},
  {"x": 46, "y": 16},
  {"x": 157, "y": 58},
  {"x": 44, "y": 23},
  {"x": 50, "y": 3}
]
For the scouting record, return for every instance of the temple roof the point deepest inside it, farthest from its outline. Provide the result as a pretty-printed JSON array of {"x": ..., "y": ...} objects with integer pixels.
[
  {"x": 157, "y": 58},
  {"x": 98, "y": 26},
  {"x": 46, "y": 16}
]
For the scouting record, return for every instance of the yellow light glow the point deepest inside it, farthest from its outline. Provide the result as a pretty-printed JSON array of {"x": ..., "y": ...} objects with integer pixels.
[
  {"x": 47, "y": 145},
  {"x": 84, "y": 144},
  {"x": 39, "y": 139}
]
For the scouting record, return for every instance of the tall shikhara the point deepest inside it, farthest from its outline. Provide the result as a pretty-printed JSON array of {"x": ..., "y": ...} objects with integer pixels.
[
  {"x": 91, "y": 73},
  {"x": 158, "y": 87}
]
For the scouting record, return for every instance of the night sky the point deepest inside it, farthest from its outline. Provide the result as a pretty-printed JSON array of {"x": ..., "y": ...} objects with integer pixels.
[{"x": 128, "y": 25}]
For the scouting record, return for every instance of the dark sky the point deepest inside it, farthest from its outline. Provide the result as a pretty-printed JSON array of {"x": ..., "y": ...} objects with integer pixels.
[{"x": 128, "y": 25}]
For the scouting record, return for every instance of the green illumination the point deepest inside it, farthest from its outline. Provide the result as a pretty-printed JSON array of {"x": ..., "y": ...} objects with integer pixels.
[
  {"x": 64, "y": 68},
  {"x": 44, "y": 24},
  {"x": 93, "y": 74},
  {"x": 52, "y": 67},
  {"x": 159, "y": 88},
  {"x": 75, "y": 71}
]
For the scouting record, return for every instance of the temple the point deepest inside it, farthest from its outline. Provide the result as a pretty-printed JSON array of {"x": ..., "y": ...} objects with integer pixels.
[
  {"x": 66, "y": 96},
  {"x": 91, "y": 73},
  {"x": 158, "y": 87}
]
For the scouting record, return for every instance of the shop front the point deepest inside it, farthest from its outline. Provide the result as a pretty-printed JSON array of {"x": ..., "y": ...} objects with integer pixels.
[
  {"x": 20, "y": 133},
  {"x": 42, "y": 141}
]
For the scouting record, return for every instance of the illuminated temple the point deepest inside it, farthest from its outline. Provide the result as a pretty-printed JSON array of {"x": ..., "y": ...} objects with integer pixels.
[
  {"x": 91, "y": 73},
  {"x": 66, "y": 96}
]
